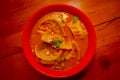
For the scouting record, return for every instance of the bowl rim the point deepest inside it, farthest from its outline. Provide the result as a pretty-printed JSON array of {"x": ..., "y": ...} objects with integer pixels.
[{"x": 59, "y": 8}]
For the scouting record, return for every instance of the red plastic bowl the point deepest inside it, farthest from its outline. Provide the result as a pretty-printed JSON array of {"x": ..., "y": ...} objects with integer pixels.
[{"x": 62, "y": 8}]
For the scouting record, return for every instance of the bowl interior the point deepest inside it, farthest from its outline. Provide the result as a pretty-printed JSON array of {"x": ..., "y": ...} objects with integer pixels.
[{"x": 58, "y": 8}]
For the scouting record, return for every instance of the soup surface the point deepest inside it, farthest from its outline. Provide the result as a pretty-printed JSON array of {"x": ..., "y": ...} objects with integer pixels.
[{"x": 59, "y": 40}]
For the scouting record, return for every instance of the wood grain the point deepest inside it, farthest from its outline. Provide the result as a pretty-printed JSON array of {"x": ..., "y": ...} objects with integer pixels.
[
  {"x": 105, "y": 16},
  {"x": 105, "y": 66},
  {"x": 15, "y": 67}
]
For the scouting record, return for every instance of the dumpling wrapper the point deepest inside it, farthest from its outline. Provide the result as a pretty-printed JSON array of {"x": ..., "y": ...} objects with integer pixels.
[
  {"x": 47, "y": 57},
  {"x": 78, "y": 29},
  {"x": 66, "y": 44}
]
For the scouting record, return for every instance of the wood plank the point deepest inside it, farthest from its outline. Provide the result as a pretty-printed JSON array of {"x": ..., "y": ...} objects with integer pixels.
[
  {"x": 16, "y": 67},
  {"x": 107, "y": 49},
  {"x": 101, "y": 10},
  {"x": 104, "y": 66},
  {"x": 106, "y": 33},
  {"x": 14, "y": 20},
  {"x": 105, "y": 15},
  {"x": 10, "y": 45},
  {"x": 106, "y": 63}
]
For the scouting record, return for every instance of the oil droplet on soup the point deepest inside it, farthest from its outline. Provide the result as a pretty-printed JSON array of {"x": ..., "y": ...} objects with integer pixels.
[{"x": 59, "y": 40}]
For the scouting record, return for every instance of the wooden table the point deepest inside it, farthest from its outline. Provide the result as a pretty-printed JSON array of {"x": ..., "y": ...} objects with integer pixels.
[{"x": 105, "y": 15}]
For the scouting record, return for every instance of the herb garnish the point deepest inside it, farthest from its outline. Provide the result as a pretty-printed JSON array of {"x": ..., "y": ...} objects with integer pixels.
[
  {"x": 57, "y": 43},
  {"x": 75, "y": 19},
  {"x": 43, "y": 47}
]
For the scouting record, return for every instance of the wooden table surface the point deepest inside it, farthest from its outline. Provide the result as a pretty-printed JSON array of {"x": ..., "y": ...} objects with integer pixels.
[{"x": 105, "y": 16}]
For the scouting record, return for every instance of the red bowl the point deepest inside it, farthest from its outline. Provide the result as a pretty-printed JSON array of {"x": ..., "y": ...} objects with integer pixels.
[{"x": 62, "y": 8}]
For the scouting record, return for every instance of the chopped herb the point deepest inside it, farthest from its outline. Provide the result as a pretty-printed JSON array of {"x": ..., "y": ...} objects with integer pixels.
[
  {"x": 43, "y": 47},
  {"x": 58, "y": 46},
  {"x": 60, "y": 41},
  {"x": 54, "y": 42},
  {"x": 57, "y": 43},
  {"x": 75, "y": 19}
]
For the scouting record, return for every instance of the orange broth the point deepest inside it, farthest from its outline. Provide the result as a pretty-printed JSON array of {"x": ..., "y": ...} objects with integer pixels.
[{"x": 59, "y": 40}]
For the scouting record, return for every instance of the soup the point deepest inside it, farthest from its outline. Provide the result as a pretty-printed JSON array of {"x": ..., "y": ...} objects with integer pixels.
[{"x": 59, "y": 40}]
